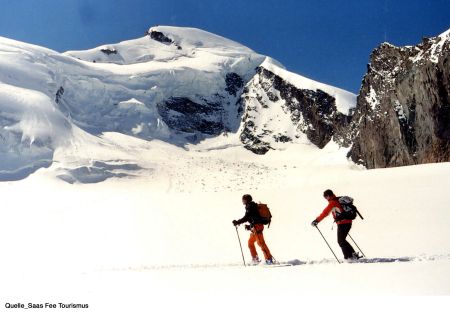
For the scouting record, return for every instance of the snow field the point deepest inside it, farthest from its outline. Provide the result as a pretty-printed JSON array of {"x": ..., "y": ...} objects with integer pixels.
[
  {"x": 164, "y": 239},
  {"x": 181, "y": 212}
]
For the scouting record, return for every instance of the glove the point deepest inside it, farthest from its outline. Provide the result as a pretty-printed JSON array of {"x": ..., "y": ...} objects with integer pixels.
[
  {"x": 235, "y": 223},
  {"x": 248, "y": 227},
  {"x": 314, "y": 223}
]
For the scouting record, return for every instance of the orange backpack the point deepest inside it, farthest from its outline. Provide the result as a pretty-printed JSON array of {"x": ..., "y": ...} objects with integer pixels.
[{"x": 264, "y": 213}]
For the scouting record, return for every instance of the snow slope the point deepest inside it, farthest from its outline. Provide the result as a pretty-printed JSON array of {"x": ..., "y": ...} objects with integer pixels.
[{"x": 434, "y": 51}]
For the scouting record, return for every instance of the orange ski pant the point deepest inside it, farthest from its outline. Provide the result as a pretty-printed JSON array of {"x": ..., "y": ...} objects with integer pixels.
[{"x": 257, "y": 235}]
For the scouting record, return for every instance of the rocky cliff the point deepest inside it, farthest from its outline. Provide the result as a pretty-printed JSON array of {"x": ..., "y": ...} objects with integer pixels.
[
  {"x": 403, "y": 108},
  {"x": 402, "y": 114},
  {"x": 277, "y": 112}
]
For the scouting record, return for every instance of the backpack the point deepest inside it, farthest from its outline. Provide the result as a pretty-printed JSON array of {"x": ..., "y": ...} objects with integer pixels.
[
  {"x": 264, "y": 214},
  {"x": 349, "y": 209}
]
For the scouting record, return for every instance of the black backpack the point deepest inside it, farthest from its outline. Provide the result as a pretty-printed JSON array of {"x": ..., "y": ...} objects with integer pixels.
[{"x": 349, "y": 209}]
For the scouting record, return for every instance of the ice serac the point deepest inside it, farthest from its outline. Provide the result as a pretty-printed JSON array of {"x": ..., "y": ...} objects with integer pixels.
[
  {"x": 282, "y": 107},
  {"x": 403, "y": 109},
  {"x": 30, "y": 130}
]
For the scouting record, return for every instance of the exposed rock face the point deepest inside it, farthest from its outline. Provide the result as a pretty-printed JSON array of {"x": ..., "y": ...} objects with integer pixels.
[
  {"x": 108, "y": 51},
  {"x": 299, "y": 111},
  {"x": 234, "y": 83},
  {"x": 187, "y": 116},
  {"x": 59, "y": 94},
  {"x": 403, "y": 109},
  {"x": 159, "y": 36},
  {"x": 402, "y": 115}
]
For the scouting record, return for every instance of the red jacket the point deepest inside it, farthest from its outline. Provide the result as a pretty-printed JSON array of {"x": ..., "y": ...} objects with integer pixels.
[{"x": 333, "y": 206}]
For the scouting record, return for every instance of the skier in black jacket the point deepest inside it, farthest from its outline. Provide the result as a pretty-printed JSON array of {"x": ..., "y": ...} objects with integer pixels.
[{"x": 256, "y": 227}]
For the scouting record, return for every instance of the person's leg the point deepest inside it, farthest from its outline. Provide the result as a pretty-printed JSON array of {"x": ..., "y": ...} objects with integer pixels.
[
  {"x": 251, "y": 245},
  {"x": 342, "y": 232},
  {"x": 261, "y": 242}
]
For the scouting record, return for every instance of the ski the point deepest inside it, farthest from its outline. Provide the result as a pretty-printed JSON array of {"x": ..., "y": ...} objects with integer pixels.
[{"x": 277, "y": 264}]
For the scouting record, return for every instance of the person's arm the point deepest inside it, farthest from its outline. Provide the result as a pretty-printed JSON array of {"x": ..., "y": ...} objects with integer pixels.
[
  {"x": 246, "y": 218},
  {"x": 325, "y": 212}
]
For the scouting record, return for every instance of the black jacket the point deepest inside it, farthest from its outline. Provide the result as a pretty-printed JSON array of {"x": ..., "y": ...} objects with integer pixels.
[{"x": 251, "y": 214}]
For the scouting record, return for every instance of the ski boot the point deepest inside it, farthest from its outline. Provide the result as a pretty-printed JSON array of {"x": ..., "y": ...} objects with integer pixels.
[
  {"x": 255, "y": 261},
  {"x": 356, "y": 256},
  {"x": 271, "y": 261}
]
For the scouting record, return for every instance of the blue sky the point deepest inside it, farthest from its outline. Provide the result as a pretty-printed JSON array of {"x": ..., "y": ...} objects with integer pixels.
[{"x": 329, "y": 41}]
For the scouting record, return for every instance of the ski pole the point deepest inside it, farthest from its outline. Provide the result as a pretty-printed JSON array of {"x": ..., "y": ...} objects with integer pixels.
[
  {"x": 357, "y": 245},
  {"x": 328, "y": 244},
  {"x": 242, "y": 252}
]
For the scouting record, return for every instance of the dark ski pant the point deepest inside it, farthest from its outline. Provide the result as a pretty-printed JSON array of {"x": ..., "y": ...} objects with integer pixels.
[{"x": 342, "y": 232}]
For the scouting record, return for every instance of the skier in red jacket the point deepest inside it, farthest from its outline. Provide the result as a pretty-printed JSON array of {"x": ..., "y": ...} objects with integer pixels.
[{"x": 344, "y": 226}]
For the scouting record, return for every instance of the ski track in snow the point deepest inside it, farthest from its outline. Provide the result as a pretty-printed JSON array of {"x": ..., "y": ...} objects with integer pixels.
[{"x": 289, "y": 263}]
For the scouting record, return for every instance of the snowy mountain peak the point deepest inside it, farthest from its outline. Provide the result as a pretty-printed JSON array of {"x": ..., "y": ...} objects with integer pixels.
[
  {"x": 164, "y": 44},
  {"x": 445, "y": 35},
  {"x": 190, "y": 38}
]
